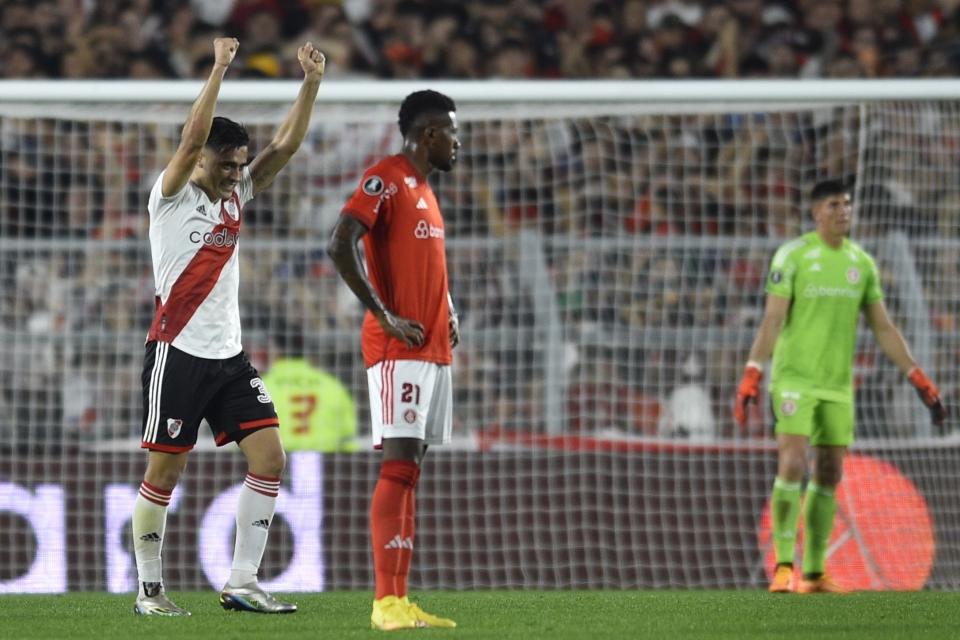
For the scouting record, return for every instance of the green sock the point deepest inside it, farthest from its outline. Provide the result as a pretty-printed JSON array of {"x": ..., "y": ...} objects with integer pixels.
[
  {"x": 784, "y": 511},
  {"x": 818, "y": 512}
]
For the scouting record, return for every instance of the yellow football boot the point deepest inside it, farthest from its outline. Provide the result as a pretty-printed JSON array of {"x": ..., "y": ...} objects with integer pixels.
[
  {"x": 823, "y": 584},
  {"x": 427, "y": 619},
  {"x": 782, "y": 580},
  {"x": 390, "y": 613}
]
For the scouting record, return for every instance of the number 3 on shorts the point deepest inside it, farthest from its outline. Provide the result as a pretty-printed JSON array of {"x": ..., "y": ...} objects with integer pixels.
[{"x": 264, "y": 396}]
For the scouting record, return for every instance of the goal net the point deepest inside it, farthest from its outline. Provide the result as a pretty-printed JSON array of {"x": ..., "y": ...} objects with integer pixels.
[{"x": 607, "y": 255}]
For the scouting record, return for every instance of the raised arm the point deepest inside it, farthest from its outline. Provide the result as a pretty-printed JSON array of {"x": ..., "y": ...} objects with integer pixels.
[
  {"x": 891, "y": 341},
  {"x": 749, "y": 388},
  {"x": 291, "y": 132},
  {"x": 342, "y": 249},
  {"x": 197, "y": 127}
]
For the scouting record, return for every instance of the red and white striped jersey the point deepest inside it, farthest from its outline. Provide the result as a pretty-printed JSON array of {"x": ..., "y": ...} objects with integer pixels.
[{"x": 194, "y": 243}]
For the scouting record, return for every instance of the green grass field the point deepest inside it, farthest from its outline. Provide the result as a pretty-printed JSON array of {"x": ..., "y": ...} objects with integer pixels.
[{"x": 507, "y": 615}]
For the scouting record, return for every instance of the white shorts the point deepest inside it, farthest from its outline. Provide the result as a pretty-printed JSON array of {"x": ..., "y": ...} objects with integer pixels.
[{"x": 410, "y": 399}]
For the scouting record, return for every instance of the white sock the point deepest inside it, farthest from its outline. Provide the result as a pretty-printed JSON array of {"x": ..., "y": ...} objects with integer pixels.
[
  {"x": 258, "y": 499},
  {"x": 149, "y": 524}
]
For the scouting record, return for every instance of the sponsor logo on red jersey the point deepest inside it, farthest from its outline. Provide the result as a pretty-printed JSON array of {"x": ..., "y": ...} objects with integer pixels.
[{"x": 424, "y": 230}]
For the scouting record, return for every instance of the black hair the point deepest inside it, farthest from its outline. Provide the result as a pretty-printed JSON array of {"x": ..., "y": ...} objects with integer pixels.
[
  {"x": 155, "y": 59},
  {"x": 226, "y": 134},
  {"x": 451, "y": 10},
  {"x": 421, "y": 103},
  {"x": 24, "y": 36},
  {"x": 753, "y": 65},
  {"x": 408, "y": 8},
  {"x": 829, "y": 187},
  {"x": 601, "y": 10}
]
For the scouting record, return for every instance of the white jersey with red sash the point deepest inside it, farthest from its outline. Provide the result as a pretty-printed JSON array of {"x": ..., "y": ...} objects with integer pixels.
[{"x": 194, "y": 243}]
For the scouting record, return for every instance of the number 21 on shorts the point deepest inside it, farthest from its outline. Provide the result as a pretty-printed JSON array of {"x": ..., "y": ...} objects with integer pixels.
[{"x": 410, "y": 392}]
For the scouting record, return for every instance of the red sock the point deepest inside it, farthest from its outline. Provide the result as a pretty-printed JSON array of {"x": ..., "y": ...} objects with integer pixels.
[
  {"x": 392, "y": 550},
  {"x": 407, "y": 533}
]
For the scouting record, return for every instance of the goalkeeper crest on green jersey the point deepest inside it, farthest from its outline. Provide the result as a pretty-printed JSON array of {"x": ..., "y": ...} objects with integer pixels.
[{"x": 828, "y": 289}]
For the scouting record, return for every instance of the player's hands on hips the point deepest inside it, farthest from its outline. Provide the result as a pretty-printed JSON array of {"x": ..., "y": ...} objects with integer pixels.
[
  {"x": 312, "y": 60},
  {"x": 929, "y": 393},
  {"x": 747, "y": 391},
  {"x": 409, "y": 332},
  {"x": 454, "y": 325},
  {"x": 224, "y": 50}
]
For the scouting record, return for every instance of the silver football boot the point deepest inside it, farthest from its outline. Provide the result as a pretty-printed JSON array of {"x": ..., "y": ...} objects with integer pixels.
[
  {"x": 250, "y": 597},
  {"x": 152, "y": 601}
]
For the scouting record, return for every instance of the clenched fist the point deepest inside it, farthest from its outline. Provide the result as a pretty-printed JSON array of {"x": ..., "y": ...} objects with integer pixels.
[
  {"x": 311, "y": 59},
  {"x": 224, "y": 50}
]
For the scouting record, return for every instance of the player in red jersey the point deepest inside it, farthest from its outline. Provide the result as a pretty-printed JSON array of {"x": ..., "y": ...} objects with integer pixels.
[
  {"x": 409, "y": 331},
  {"x": 194, "y": 366}
]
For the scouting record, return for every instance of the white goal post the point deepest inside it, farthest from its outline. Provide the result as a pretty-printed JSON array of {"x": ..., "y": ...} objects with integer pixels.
[
  {"x": 672, "y": 92},
  {"x": 608, "y": 243}
]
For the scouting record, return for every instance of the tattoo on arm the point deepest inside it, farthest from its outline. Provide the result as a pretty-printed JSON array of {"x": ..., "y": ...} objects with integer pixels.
[{"x": 346, "y": 257}]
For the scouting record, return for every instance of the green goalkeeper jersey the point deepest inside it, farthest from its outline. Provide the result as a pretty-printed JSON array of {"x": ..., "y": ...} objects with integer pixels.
[
  {"x": 316, "y": 411},
  {"x": 827, "y": 288}
]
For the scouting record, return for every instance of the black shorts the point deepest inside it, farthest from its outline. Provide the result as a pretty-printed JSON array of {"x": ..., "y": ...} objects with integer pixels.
[{"x": 179, "y": 390}]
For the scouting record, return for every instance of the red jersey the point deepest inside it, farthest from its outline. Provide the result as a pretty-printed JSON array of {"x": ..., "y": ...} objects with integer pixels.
[{"x": 406, "y": 259}]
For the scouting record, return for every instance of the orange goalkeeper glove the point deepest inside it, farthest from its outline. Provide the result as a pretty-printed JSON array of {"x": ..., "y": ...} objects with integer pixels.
[
  {"x": 929, "y": 393},
  {"x": 748, "y": 390}
]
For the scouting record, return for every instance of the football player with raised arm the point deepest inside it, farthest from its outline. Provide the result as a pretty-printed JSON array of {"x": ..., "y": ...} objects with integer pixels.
[{"x": 194, "y": 367}]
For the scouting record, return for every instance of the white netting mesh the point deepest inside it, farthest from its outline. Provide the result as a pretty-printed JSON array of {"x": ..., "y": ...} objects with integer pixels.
[{"x": 608, "y": 263}]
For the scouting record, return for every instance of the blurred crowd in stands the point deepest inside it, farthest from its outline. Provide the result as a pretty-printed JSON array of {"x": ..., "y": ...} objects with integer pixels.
[
  {"x": 485, "y": 39},
  {"x": 651, "y": 240},
  {"x": 652, "y": 232},
  {"x": 731, "y": 174}
]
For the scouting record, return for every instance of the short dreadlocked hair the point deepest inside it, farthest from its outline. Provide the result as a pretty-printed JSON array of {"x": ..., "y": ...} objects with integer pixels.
[
  {"x": 226, "y": 134},
  {"x": 420, "y": 103}
]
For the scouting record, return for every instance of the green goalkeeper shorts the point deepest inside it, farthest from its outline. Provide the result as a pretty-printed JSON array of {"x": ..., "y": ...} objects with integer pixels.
[{"x": 824, "y": 422}]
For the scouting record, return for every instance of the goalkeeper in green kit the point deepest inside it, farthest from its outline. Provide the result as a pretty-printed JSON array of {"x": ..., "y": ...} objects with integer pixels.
[{"x": 817, "y": 287}]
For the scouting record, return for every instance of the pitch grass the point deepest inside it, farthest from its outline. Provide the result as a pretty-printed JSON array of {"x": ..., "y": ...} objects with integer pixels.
[{"x": 506, "y": 615}]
